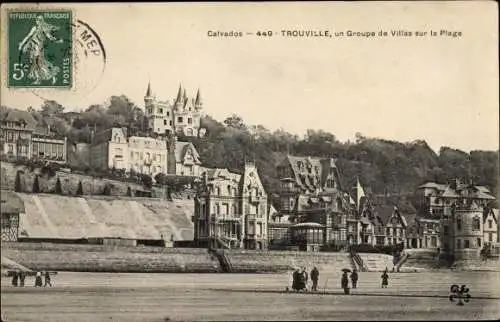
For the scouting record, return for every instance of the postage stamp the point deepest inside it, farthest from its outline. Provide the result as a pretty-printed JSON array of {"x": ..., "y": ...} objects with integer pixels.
[{"x": 40, "y": 49}]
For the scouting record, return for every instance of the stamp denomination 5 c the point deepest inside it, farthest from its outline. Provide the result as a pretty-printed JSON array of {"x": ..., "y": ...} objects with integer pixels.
[{"x": 40, "y": 49}]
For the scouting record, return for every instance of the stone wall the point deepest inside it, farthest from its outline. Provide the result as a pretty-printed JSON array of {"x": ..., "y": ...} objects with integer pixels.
[
  {"x": 94, "y": 258},
  {"x": 69, "y": 181}
]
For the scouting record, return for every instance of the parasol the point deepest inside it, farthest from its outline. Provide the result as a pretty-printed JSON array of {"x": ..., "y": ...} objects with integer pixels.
[{"x": 346, "y": 270}]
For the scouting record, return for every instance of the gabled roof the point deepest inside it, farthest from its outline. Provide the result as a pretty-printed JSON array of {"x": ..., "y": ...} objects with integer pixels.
[
  {"x": 17, "y": 116},
  {"x": 216, "y": 173},
  {"x": 432, "y": 185},
  {"x": 182, "y": 147},
  {"x": 449, "y": 193},
  {"x": 312, "y": 174}
]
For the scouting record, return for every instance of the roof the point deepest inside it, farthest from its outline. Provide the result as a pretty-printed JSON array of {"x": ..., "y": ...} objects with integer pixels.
[
  {"x": 182, "y": 147},
  {"x": 432, "y": 185},
  {"x": 309, "y": 172},
  {"x": 11, "y": 202},
  {"x": 215, "y": 173},
  {"x": 14, "y": 115},
  {"x": 449, "y": 193},
  {"x": 308, "y": 224}
]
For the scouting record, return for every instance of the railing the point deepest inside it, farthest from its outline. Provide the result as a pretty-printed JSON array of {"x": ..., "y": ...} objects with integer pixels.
[{"x": 401, "y": 261}]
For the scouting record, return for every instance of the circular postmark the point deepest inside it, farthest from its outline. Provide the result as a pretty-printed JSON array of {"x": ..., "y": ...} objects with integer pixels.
[{"x": 85, "y": 67}]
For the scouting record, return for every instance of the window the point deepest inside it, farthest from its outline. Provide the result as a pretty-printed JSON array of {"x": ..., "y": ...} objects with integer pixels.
[
  {"x": 490, "y": 237},
  {"x": 170, "y": 123},
  {"x": 160, "y": 110},
  {"x": 490, "y": 223},
  {"x": 479, "y": 242},
  {"x": 164, "y": 122},
  {"x": 466, "y": 243},
  {"x": 476, "y": 224},
  {"x": 459, "y": 224},
  {"x": 190, "y": 120},
  {"x": 459, "y": 244},
  {"x": 11, "y": 148},
  {"x": 131, "y": 155},
  {"x": 168, "y": 113},
  {"x": 179, "y": 119},
  {"x": 388, "y": 231}
]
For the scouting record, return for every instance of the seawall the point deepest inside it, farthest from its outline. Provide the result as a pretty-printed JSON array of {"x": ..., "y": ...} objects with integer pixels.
[{"x": 100, "y": 258}]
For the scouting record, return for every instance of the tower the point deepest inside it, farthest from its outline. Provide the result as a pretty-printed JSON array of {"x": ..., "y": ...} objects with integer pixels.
[{"x": 198, "y": 102}]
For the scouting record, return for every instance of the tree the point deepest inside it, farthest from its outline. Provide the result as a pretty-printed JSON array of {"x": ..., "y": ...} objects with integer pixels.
[
  {"x": 79, "y": 191},
  {"x": 18, "y": 185},
  {"x": 147, "y": 181},
  {"x": 58, "y": 189},
  {"x": 161, "y": 178},
  {"x": 52, "y": 108},
  {"x": 235, "y": 121},
  {"x": 36, "y": 186}
]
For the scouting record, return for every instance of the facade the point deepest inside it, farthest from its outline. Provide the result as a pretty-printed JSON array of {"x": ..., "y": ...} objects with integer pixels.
[
  {"x": 464, "y": 212},
  {"x": 11, "y": 208},
  {"x": 20, "y": 139},
  {"x": 311, "y": 194},
  {"x": 231, "y": 208},
  {"x": 112, "y": 148},
  {"x": 187, "y": 160},
  {"x": 422, "y": 233},
  {"x": 183, "y": 115}
]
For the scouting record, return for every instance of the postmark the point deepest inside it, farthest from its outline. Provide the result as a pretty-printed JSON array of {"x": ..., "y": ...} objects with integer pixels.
[{"x": 40, "y": 49}]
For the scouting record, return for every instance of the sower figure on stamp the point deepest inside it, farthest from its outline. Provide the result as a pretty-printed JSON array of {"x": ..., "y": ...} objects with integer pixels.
[{"x": 33, "y": 45}]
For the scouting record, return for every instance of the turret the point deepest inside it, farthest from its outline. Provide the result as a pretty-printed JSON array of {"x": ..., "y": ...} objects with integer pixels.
[
  {"x": 148, "y": 100},
  {"x": 198, "y": 103}
]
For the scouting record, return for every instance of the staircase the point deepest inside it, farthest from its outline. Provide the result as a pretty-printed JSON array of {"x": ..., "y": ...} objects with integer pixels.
[
  {"x": 357, "y": 261},
  {"x": 220, "y": 243},
  {"x": 401, "y": 261},
  {"x": 223, "y": 258}
]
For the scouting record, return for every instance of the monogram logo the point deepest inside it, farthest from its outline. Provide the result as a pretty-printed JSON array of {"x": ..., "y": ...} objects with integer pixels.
[{"x": 461, "y": 294}]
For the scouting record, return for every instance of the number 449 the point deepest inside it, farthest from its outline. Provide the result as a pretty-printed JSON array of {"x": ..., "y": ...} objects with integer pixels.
[
  {"x": 19, "y": 71},
  {"x": 265, "y": 33}
]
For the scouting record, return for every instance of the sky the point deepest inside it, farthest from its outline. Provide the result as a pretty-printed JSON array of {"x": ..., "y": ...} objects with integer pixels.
[{"x": 441, "y": 89}]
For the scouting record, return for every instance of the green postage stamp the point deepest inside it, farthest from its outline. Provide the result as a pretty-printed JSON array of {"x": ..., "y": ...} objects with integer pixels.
[{"x": 40, "y": 49}]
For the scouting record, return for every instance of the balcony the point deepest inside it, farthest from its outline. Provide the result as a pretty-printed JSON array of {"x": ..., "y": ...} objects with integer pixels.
[{"x": 256, "y": 198}]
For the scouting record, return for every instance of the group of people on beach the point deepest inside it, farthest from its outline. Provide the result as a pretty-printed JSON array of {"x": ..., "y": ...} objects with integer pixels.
[
  {"x": 300, "y": 279},
  {"x": 18, "y": 279}
]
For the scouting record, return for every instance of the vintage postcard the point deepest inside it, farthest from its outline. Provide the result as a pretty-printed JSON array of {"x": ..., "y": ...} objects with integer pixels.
[{"x": 226, "y": 161}]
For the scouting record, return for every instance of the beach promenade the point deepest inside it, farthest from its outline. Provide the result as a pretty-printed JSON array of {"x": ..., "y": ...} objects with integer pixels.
[{"x": 186, "y": 297}]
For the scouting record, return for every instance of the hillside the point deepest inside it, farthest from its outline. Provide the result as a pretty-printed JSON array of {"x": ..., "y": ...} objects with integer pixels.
[{"x": 384, "y": 167}]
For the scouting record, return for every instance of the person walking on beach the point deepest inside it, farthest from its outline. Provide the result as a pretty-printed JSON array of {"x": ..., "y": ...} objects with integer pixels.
[
  {"x": 295, "y": 281},
  {"x": 354, "y": 278},
  {"x": 344, "y": 283},
  {"x": 22, "y": 277},
  {"x": 305, "y": 278},
  {"x": 15, "y": 278},
  {"x": 385, "y": 279},
  {"x": 314, "y": 278},
  {"x": 47, "y": 280},
  {"x": 38, "y": 279}
]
